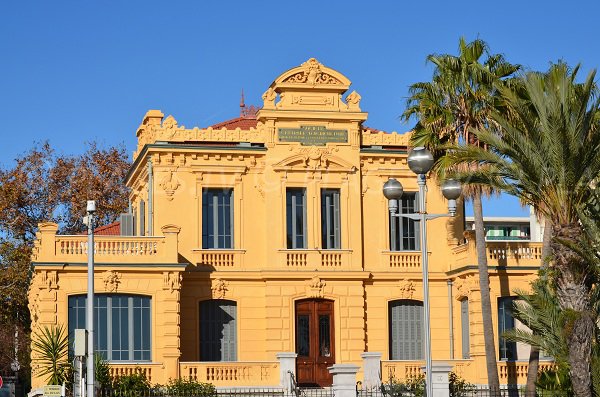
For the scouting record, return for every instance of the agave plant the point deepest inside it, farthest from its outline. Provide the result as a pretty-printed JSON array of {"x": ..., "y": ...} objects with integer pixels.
[{"x": 51, "y": 346}]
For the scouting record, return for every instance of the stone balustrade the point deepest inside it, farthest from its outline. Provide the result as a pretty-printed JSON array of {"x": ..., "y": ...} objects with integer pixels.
[
  {"x": 315, "y": 259},
  {"x": 499, "y": 253},
  {"x": 52, "y": 248},
  {"x": 239, "y": 373}
]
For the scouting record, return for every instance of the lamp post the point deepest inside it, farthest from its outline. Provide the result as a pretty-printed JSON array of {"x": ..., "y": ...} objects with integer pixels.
[
  {"x": 420, "y": 161},
  {"x": 89, "y": 221}
]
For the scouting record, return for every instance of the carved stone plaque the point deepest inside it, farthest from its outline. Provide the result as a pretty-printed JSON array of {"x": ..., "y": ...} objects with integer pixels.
[{"x": 312, "y": 135}]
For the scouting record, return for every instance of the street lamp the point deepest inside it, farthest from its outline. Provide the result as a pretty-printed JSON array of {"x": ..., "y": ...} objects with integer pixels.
[
  {"x": 89, "y": 221},
  {"x": 420, "y": 161}
]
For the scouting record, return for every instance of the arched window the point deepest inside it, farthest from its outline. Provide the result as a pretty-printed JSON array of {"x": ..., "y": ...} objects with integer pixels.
[
  {"x": 218, "y": 330},
  {"x": 406, "y": 330},
  {"x": 122, "y": 327}
]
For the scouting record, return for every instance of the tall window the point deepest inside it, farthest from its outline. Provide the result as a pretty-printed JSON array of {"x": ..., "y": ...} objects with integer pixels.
[
  {"x": 142, "y": 218},
  {"x": 404, "y": 232},
  {"x": 330, "y": 218},
  {"x": 406, "y": 330},
  {"x": 218, "y": 330},
  {"x": 464, "y": 326},
  {"x": 121, "y": 323},
  {"x": 217, "y": 218},
  {"x": 295, "y": 199},
  {"x": 506, "y": 321}
]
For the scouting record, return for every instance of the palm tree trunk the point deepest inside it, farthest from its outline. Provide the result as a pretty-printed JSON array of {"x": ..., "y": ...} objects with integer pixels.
[
  {"x": 573, "y": 290},
  {"x": 484, "y": 288},
  {"x": 534, "y": 353}
]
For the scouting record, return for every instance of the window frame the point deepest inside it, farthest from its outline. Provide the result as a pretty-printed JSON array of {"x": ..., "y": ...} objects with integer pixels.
[
  {"x": 331, "y": 218},
  {"x": 414, "y": 338},
  {"x": 104, "y": 317},
  {"x": 401, "y": 226},
  {"x": 202, "y": 343},
  {"x": 291, "y": 218},
  {"x": 465, "y": 329},
  {"x": 215, "y": 201},
  {"x": 506, "y": 348}
]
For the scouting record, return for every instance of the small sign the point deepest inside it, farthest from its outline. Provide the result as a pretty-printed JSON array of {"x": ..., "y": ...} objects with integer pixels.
[
  {"x": 312, "y": 135},
  {"x": 1, "y": 381},
  {"x": 53, "y": 391}
]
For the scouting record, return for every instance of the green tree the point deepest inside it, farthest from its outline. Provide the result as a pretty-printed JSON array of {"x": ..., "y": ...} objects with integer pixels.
[
  {"x": 459, "y": 99},
  {"x": 42, "y": 186},
  {"x": 547, "y": 156}
]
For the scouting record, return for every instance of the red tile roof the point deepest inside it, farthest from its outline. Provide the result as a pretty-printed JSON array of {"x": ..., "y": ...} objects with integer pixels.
[
  {"x": 112, "y": 229},
  {"x": 243, "y": 123},
  {"x": 372, "y": 130}
]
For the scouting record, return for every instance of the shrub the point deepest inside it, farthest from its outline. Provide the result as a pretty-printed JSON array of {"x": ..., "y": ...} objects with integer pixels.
[
  {"x": 414, "y": 386},
  {"x": 132, "y": 385},
  {"x": 189, "y": 387}
]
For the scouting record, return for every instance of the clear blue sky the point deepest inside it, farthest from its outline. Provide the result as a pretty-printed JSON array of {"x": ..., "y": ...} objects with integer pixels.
[{"x": 76, "y": 71}]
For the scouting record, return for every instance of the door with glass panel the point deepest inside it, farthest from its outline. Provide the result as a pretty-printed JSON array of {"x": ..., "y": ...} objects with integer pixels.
[{"x": 314, "y": 342}]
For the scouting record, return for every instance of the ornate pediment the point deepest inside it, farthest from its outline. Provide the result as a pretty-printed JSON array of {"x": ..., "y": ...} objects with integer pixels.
[
  {"x": 314, "y": 158},
  {"x": 313, "y": 73}
]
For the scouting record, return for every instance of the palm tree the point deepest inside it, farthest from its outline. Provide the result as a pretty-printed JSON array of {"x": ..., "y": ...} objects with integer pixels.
[
  {"x": 51, "y": 345},
  {"x": 547, "y": 156},
  {"x": 457, "y": 100}
]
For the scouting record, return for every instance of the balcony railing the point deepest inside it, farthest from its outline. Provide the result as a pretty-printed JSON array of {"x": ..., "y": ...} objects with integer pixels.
[
  {"x": 315, "y": 259},
  {"x": 401, "y": 260},
  {"x": 150, "y": 370},
  {"x": 50, "y": 247},
  {"x": 239, "y": 373},
  {"x": 220, "y": 259},
  {"x": 499, "y": 253},
  {"x": 514, "y": 373}
]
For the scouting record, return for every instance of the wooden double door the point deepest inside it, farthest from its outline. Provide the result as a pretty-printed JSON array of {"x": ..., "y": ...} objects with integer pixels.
[{"x": 314, "y": 342}]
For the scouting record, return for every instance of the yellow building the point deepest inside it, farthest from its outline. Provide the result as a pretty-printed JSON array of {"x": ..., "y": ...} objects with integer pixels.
[{"x": 269, "y": 234}]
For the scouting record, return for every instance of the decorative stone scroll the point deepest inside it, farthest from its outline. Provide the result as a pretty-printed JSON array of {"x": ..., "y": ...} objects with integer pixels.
[
  {"x": 353, "y": 101},
  {"x": 172, "y": 281},
  {"x": 111, "y": 280},
  {"x": 219, "y": 288},
  {"x": 465, "y": 287},
  {"x": 49, "y": 279},
  {"x": 407, "y": 289},
  {"x": 312, "y": 74},
  {"x": 170, "y": 184},
  {"x": 315, "y": 287}
]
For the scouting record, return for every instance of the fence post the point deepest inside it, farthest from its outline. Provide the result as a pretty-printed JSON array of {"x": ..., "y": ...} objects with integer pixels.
[
  {"x": 344, "y": 379},
  {"x": 287, "y": 365},
  {"x": 441, "y": 383},
  {"x": 372, "y": 369}
]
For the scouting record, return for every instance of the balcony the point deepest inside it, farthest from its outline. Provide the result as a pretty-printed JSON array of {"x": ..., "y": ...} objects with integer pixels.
[
  {"x": 499, "y": 253},
  {"x": 219, "y": 259},
  {"x": 238, "y": 373},
  {"x": 315, "y": 259},
  {"x": 406, "y": 261},
  {"x": 51, "y": 248}
]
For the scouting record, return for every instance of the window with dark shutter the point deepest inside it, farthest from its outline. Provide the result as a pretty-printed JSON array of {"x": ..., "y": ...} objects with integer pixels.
[
  {"x": 406, "y": 330},
  {"x": 404, "y": 232},
  {"x": 218, "y": 330},
  {"x": 217, "y": 218}
]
